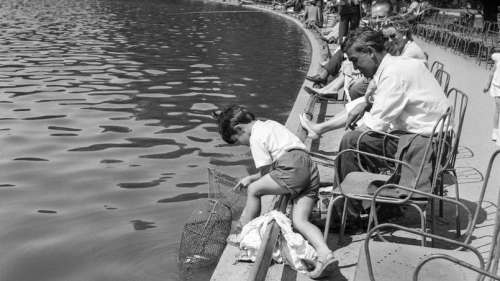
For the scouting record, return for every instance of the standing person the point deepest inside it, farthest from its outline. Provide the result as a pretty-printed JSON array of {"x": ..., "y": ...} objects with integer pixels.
[
  {"x": 284, "y": 167},
  {"x": 350, "y": 15},
  {"x": 312, "y": 16},
  {"x": 493, "y": 87}
]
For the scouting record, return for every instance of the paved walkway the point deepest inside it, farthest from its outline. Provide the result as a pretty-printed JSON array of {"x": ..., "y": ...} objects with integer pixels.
[
  {"x": 475, "y": 151},
  {"x": 471, "y": 78}
]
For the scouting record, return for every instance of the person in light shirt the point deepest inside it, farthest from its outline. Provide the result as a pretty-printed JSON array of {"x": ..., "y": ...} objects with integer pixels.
[
  {"x": 407, "y": 99},
  {"x": 493, "y": 87}
]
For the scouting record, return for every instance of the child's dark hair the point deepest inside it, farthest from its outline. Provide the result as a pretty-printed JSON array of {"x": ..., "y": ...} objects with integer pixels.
[{"x": 228, "y": 118}]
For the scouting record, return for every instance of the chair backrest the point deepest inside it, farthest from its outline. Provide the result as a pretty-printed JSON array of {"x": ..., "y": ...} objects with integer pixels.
[
  {"x": 443, "y": 79},
  {"x": 494, "y": 254},
  {"x": 437, "y": 144},
  {"x": 459, "y": 101},
  {"x": 436, "y": 65}
]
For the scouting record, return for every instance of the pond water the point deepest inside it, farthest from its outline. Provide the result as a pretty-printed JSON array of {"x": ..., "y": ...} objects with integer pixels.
[{"x": 105, "y": 127}]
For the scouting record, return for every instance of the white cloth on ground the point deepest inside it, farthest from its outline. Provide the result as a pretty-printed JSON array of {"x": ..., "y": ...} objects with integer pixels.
[{"x": 292, "y": 248}]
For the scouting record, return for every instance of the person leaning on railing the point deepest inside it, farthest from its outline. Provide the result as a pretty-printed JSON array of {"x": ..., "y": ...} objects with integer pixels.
[{"x": 312, "y": 16}]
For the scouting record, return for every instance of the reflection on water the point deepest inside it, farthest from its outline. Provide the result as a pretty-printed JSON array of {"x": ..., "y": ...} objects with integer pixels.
[{"x": 106, "y": 131}]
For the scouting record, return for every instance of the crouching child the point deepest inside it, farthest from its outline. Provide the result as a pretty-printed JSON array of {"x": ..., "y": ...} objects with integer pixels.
[{"x": 284, "y": 167}]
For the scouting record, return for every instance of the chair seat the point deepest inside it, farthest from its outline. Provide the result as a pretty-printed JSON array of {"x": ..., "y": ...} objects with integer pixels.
[
  {"x": 363, "y": 182},
  {"x": 392, "y": 261},
  {"x": 367, "y": 183}
]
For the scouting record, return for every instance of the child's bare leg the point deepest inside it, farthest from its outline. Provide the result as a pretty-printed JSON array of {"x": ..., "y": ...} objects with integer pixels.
[
  {"x": 300, "y": 217},
  {"x": 263, "y": 186}
]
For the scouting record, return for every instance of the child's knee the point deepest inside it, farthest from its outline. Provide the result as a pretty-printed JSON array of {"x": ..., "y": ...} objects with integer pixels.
[
  {"x": 300, "y": 223},
  {"x": 254, "y": 190}
]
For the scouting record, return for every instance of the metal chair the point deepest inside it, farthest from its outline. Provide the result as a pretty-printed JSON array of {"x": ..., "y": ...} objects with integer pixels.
[
  {"x": 393, "y": 261},
  {"x": 459, "y": 101},
  {"x": 361, "y": 185},
  {"x": 489, "y": 43},
  {"x": 443, "y": 79},
  {"x": 435, "y": 66}
]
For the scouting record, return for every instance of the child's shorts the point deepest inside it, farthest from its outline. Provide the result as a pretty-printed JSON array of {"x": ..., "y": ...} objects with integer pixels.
[{"x": 296, "y": 172}]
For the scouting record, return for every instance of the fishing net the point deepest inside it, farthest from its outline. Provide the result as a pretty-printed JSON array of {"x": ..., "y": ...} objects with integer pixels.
[
  {"x": 220, "y": 187},
  {"x": 204, "y": 236}
]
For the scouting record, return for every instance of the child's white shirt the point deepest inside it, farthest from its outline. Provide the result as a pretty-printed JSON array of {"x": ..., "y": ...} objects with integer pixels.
[
  {"x": 269, "y": 140},
  {"x": 495, "y": 83}
]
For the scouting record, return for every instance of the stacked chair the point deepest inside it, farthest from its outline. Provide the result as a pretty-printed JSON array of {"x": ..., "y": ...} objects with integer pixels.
[{"x": 449, "y": 32}]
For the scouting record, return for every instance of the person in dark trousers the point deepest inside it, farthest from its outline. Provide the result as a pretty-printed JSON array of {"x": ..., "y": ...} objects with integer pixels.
[
  {"x": 350, "y": 14},
  {"x": 490, "y": 11}
]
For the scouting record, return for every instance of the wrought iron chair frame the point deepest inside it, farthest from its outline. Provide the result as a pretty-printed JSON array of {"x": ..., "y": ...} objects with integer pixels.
[
  {"x": 436, "y": 139},
  {"x": 490, "y": 270}
]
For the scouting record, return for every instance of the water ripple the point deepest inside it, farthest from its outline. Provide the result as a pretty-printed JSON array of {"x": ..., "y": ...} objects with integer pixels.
[{"x": 106, "y": 113}]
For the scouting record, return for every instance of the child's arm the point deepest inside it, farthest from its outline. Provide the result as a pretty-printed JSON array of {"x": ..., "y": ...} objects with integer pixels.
[
  {"x": 488, "y": 84},
  {"x": 246, "y": 181}
]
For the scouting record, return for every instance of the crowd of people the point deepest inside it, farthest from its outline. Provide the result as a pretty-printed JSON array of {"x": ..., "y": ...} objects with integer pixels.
[{"x": 388, "y": 87}]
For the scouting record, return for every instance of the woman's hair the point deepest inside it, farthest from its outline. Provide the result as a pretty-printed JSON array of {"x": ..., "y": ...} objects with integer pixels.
[
  {"x": 228, "y": 118},
  {"x": 404, "y": 28},
  {"x": 362, "y": 38}
]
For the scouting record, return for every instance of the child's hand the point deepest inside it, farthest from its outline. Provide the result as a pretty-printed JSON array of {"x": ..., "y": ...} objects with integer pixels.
[{"x": 243, "y": 183}]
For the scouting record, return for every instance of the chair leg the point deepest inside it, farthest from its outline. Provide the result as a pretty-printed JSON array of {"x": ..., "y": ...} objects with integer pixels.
[
  {"x": 457, "y": 209},
  {"x": 433, "y": 219},
  {"x": 372, "y": 218},
  {"x": 329, "y": 214},
  {"x": 343, "y": 222},
  {"x": 422, "y": 214},
  {"x": 440, "y": 190}
]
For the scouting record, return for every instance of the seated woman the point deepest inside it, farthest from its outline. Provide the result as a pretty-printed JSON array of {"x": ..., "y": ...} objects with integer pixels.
[
  {"x": 400, "y": 42},
  {"x": 353, "y": 83}
]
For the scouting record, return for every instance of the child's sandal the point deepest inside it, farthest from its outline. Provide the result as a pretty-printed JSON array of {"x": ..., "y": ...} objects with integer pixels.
[{"x": 324, "y": 267}]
